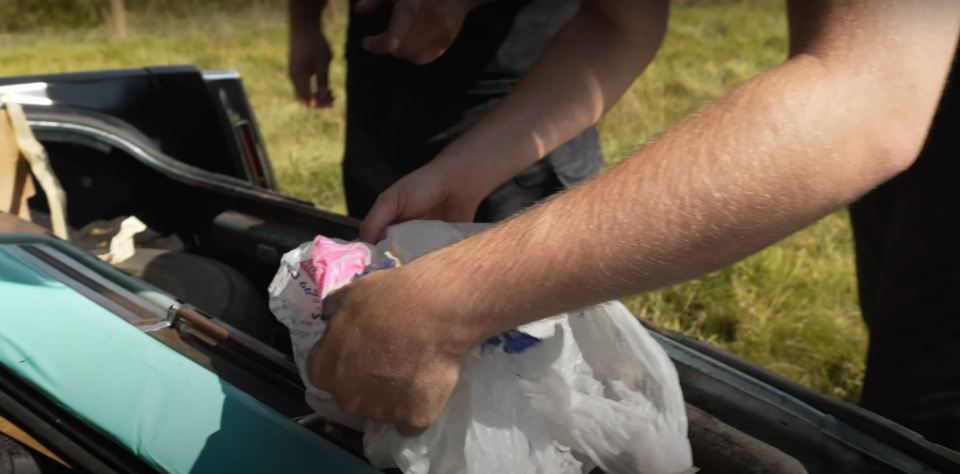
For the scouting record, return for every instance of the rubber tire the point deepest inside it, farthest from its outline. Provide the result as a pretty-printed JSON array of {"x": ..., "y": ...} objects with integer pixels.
[
  {"x": 16, "y": 458},
  {"x": 214, "y": 287}
]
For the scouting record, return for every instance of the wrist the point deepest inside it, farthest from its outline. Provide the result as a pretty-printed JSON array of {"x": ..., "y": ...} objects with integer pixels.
[
  {"x": 476, "y": 171},
  {"x": 490, "y": 153},
  {"x": 461, "y": 175},
  {"x": 446, "y": 304}
]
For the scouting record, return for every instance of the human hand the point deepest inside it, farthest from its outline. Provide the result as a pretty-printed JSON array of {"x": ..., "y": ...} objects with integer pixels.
[
  {"x": 309, "y": 62},
  {"x": 428, "y": 193},
  {"x": 420, "y": 31},
  {"x": 384, "y": 354}
]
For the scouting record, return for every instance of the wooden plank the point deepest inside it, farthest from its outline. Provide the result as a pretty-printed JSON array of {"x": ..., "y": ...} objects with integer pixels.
[
  {"x": 13, "y": 431},
  {"x": 10, "y": 223}
]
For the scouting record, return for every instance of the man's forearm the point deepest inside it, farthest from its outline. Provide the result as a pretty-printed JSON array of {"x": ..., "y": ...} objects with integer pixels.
[
  {"x": 586, "y": 68},
  {"x": 774, "y": 155},
  {"x": 305, "y": 14}
]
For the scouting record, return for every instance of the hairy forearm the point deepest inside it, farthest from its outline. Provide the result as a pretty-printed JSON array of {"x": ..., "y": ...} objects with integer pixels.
[
  {"x": 774, "y": 155},
  {"x": 584, "y": 71}
]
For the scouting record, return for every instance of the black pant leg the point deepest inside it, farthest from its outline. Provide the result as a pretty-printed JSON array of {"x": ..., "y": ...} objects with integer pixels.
[{"x": 907, "y": 235}]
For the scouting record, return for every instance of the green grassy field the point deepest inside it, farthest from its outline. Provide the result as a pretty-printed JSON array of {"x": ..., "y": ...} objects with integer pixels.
[{"x": 791, "y": 308}]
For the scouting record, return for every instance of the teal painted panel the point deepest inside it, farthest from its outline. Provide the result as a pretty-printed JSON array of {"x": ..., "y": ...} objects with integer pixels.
[{"x": 169, "y": 411}]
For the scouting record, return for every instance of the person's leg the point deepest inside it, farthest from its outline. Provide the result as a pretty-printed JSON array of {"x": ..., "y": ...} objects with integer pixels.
[
  {"x": 400, "y": 114},
  {"x": 909, "y": 298},
  {"x": 522, "y": 191},
  {"x": 371, "y": 136}
]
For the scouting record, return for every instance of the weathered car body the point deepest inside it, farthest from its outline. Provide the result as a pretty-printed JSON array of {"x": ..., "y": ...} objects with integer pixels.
[{"x": 179, "y": 149}]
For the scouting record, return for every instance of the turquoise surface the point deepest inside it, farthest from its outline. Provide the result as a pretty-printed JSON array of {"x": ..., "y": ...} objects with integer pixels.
[{"x": 166, "y": 409}]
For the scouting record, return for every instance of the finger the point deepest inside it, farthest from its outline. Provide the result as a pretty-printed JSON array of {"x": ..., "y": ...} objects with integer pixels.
[
  {"x": 331, "y": 304},
  {"x": 349, "y": 405},
  {"x": 417, "y": 49},
  {"x": 460, "y": 208},
  {"x": 433, "y": 393},
  {"x": 385, "y": 210},
  {"x": 366, "y": 7},
  {"x": 429, "y": 56},
  {"x": 414, "y": 426},
  {"x": 323, "y": 97},
  {"x": 320, "y": 363},
  {"x": 325, "y": 354},
  {"x": 415, "y": 418},
  {"x": 401, "y": 18},
  {"x": 383, "y": 43},
  {"x": 301, "y": 85},
  {"x": 379, "y": 414},
  {"x": 426, "y": 42},
  {"x": 436, "y": 29}
]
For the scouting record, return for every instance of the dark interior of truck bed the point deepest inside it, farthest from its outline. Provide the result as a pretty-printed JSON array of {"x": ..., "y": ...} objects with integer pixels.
[{"x": 214, "y": 243}]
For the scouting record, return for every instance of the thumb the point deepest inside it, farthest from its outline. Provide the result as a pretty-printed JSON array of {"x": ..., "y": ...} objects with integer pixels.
[
  {"x": 323, "y": 97},
  {"x": 401, "y": 20},
  {"x": 319, "y": 367},
  {"x": 461, "y": 212},
  {"x": 320, "y": 361},
  {"x": 331, "y": 304},
  {"x": 384, "y": 211}
]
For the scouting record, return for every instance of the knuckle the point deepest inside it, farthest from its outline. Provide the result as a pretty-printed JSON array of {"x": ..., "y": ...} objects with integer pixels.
[
  {"x": 420, "y": 58},
  {"x": 347, "y": 405},
  {"x": 384, "y": 198},
  {"x": 419, "y": 422},
  {"x": 408, "y": 53},
  {"x": 315, "y": 376},
  {"x": 379, "y": 416}
]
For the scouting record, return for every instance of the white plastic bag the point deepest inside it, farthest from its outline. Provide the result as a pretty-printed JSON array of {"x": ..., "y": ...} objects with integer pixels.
[{"x": 595, "y": 391}]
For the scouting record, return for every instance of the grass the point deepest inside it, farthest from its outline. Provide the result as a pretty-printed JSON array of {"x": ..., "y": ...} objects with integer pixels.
[{"x": 791, "y": 307}]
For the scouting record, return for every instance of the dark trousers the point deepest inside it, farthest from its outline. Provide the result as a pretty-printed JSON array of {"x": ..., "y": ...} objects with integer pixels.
[
  {"x": 400, "y": 115},
  {"x": 907, "y": 235}
]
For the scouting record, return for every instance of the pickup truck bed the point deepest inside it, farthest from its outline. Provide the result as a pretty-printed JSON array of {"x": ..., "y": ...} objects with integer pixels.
[{"x": 113, "y": 163}]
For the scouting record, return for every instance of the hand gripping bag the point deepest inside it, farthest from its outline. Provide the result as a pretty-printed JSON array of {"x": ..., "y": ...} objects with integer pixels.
[{"x": 585, "y": 389}]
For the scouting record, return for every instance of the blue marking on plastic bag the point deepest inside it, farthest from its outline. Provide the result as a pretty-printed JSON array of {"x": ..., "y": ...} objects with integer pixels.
[
  {"x": 513, "y": 341},
  {"x": 386, "y": 264}
]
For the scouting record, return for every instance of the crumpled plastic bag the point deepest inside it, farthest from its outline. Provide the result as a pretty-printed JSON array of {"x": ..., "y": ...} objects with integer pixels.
[{"x": 585, "y": 389}]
